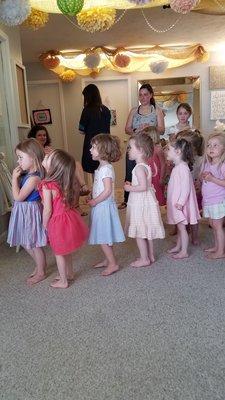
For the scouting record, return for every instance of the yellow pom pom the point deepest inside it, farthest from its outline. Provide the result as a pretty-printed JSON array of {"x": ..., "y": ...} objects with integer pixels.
[
  {"x": 97, "y": 19},
  {"x": 68, "y": 76},
  {"x": 37, "y": 19}
]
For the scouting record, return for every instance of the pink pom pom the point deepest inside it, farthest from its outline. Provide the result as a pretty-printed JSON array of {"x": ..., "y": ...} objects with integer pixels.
[{"x": 183, "y": 6}]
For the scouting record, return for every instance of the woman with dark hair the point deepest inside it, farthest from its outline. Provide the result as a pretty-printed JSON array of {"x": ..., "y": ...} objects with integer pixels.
[
  {"x": 95, "y": 118},
  {"x": 141, "y": 119}
]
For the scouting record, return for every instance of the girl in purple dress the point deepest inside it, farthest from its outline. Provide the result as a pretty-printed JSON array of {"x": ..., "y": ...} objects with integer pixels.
[{"x": 25, "y": 226}]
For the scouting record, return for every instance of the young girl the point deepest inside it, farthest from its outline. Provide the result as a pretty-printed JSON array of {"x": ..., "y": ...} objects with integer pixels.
[
  {"x": 106, "y": 228},
  {"x": 184, "y": 112},
  {"x": 182, "y": 206},
  {"x": 143, "y": 219},
  {"x": 25, "y": 226},
  {"x": 65, "y": 227},
  {"x": 213, "y": 191},
  {"x": 158, "y": 166}
]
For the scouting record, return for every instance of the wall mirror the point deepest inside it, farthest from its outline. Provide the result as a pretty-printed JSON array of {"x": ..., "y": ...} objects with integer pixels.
[{"x": 170, "y": 92}]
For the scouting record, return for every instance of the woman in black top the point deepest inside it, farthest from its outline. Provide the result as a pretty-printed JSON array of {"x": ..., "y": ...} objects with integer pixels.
[{"x": 95, "y": 118}]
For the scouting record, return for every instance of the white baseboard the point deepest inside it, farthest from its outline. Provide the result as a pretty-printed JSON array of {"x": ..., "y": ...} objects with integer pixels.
[{"x": 3, "y": 237}]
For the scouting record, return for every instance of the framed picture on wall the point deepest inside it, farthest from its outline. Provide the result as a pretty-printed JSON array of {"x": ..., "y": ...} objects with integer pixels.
[
  {"x": 42, "y": 117},
  {"x": 21, "y": 96}
]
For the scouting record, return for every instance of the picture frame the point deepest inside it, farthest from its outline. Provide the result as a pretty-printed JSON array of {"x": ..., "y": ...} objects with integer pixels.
[
  {"x": 22, "y": 105},
  {"x": 42, "y": 117}
]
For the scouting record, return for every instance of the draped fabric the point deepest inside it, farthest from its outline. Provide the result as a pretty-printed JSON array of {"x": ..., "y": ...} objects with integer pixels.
[{"x": 6, "y": 198}]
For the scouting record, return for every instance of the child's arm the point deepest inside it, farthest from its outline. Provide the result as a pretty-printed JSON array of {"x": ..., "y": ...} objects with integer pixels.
[
  {"x": 30, "y": 185},
  {"x": 107, "y": 182},
  {"x": 47, "y": 204},
  {"x": 141, "y": 174},
  {"x": 208, "y": 177},
  {"x": 184, "y": 183}
]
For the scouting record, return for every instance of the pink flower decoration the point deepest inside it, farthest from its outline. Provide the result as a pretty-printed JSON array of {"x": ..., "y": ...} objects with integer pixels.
[
  {"x": 183, "y": 6},
  {"x": 122, "y": 60}
]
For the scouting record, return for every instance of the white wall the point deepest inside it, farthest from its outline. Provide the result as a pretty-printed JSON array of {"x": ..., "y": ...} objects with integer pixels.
[{"x": 73, "y": 98}]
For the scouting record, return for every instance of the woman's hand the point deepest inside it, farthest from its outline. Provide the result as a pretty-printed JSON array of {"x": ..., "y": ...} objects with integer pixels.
[{"x": 16, "y": 172}]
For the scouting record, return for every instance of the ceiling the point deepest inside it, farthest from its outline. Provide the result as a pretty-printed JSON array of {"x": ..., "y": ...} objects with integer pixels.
[{"x": 131, "y": 30}]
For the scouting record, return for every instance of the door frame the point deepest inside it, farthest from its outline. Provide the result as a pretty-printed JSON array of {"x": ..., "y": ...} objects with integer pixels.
[{"x": 61, "y": 103}]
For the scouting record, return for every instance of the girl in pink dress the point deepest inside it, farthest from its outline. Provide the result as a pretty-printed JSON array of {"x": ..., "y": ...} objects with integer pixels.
[
  {"x": 182, "y": 206},
  {"x": 213, "y": 191},
  {"x": 65, "y": 227}
]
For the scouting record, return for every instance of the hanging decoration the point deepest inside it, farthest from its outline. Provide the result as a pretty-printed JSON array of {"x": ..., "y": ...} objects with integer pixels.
[
  {"x": 92, "y": 60},
  {"x": 183, "y": 6},
  {"x": 139, "y": 2},
  {"x": 14, "y": 12},
  {"x": 70, "y": 7},
  {"x": 96, "y": 19},
  {"x": 182, "y": 97},
  {"x": 37, "y": 19},
  {"x": 68, "y": 75},
  {"x": 50, "y": 59},
  {"x": 122, "y": 60},
  {"x": 157, "y": 67},
  {"x": 94, "y": 74}
]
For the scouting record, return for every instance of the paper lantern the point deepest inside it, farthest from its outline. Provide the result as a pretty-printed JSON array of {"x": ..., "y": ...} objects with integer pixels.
[
  {"x": 14, "y": 12},
  {"x": 97, "y": 19},
  {"x": 92, "y": 60},
  {"x": 70, "y": 7},
  {"x": 157, "y": 67},
  {"x": 68, "y": 76},
  {"x": 122, "y": 60},
  {"x": 183, "y": 6},
  {"x": 37, "y": 19}
]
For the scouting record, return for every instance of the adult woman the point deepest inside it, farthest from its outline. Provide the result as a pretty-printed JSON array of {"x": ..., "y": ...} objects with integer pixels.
[
  {"x": 95, "y": 118},
  {"x": 40, "y": 133},
  {"x": 140, "y": 119},
  {"x": 184, "y": 112}
]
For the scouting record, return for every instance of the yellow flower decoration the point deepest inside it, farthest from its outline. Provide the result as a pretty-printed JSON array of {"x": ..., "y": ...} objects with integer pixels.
[
  {"x": 97, "y": 19},
  {"x": 37, "y": 19},
  {"x": 68, "y": 76}
]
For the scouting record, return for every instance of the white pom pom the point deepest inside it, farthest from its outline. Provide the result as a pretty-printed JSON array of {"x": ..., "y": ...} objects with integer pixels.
[
  {"x": 92, "y": 60},
  {"x": 14, "y": 12},
  {"x": 157, "y": 67},
  {"x": 139, "y": 2}
]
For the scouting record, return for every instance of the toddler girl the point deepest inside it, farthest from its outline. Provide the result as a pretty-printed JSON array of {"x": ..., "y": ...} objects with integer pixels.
[
  {"x": 182, "y": 206},
  {"x": 65, "y": 227},
  {"x": 143, "y": 218},
  {"x": 25, "y": 226},
  {"x": 213, "y": 191},
  {"x": 158, "y": 166},
  {"x": 106, "y": 228}
]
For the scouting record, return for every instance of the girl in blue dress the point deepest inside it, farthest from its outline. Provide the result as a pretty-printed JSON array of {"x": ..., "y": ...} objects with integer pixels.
[
  {"x": 106, "y": 228},
  {"x": 25, "y": 226}
]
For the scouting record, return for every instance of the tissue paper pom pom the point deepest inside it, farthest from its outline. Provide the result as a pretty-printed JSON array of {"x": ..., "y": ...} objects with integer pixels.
[
  {"x": 68, "y": 76},
  {"x": 51, "y": 62},
  {"x": 122, "y": 60},
  {"x": 183, "y": 6},
  {"x": 96, "y": 19},
  {"x": 94, "y": 74},
  {"x": 70, "y": 7},
  {"x": 37, "y": 19},
  {"x": 14, "y": 12},
  {"x": 157, "y": 67},
  {"x": 139, "y": 2},
  {"x": 92, "y": 60}
]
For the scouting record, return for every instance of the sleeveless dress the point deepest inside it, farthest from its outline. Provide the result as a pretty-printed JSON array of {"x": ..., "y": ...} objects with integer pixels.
[
  {"x": 143, "y": 218},
  {"x": 25, "y": 225},
  {"x": 105, "y": 222},
  {"x": 140, "y": 119},
  {"x": 66, "y": 229},
  {"x": 181, "y": 190}
]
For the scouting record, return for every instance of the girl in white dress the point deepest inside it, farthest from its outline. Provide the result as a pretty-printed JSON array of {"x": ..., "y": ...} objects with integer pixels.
[{"x": 143, "y": 218}]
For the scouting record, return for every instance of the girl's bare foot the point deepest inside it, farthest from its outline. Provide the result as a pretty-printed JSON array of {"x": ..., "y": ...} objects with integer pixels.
[
  {"x": 69, "y": 277},
  {"x": 173, "y": 250},
  {"x": 215, "y": 256},
  {"x": 33, "y": 273},
  {"x": 210, "y": 250},
  {"x": 35, "y": 279},
  {"x": 140, "y": 263},
  {"x": 152, "y": 259},
  {"x": 101, "y": 264},
  {"x": 59, "y": 284},
  {"x": 110, "y": 270},
  {"x": 180, "y": 255}
]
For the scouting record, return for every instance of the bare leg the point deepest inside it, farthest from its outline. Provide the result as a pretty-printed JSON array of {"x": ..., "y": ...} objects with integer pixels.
[
  {"x": 151, "y": 251},
  {"x": 219, "y": 240},
  {"x": 183, "y": 253},
  {"x": 40, "y": 270},
  {"x": 62, "y": 283},
  {"x": 176, "y": 248},
  {"x": 144, "y": 260},
  {"x": 69, "y": 269},
  {"x": 31, "y": 253},
  {"x": 214, "y": 248},
  {"x": 112, "y": 266},
  {"x": 194, "y": 234},
  {"x": 101, "y": 264}
]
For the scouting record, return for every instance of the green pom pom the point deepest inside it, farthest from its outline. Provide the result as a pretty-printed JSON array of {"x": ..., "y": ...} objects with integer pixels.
[{"x": 70, "y": 7}]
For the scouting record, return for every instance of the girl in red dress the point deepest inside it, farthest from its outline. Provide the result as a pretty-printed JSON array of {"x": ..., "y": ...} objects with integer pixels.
[{"x": 65, "y": 227}]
